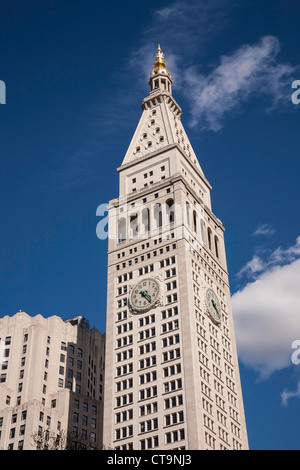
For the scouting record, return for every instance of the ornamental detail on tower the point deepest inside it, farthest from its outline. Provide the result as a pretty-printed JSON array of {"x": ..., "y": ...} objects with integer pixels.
[{"x": 160, "y": 65}]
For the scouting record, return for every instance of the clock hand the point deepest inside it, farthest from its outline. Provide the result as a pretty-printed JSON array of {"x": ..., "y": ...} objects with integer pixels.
[
  {"x": 215, "y": 306},
  {"x": 145, "y": 294}
]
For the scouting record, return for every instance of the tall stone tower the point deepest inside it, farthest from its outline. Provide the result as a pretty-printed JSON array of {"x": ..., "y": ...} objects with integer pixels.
[{"x": 172, "y": 376}]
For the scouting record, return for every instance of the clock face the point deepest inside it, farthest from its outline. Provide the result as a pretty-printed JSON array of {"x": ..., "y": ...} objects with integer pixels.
[
  {"x": 213, "y": 305},
  {"x": 144, "y": 294}
]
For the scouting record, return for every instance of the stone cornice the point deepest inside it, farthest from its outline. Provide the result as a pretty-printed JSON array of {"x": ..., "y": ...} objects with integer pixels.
[{"x": 159, "y": 96}]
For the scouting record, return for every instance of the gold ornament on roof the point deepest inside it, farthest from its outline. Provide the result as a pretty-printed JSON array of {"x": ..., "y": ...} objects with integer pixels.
[{"x": 160, "y": 65}]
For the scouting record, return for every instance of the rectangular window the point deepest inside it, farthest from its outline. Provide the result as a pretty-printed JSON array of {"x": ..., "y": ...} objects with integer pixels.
[
  {"x": 84, "y": 420},
  {"x": 20, "y": 445},
  {"x": 22, "y": 430},
  {"x": 71, "y": 361}
]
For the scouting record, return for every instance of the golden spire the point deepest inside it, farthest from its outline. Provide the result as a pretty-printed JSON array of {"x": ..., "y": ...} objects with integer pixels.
[{"x": 160, "y": 65}]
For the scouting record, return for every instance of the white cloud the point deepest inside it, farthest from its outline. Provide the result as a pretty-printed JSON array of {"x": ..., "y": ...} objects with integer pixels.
[
  {"x": 251, "y": 70},
  {"x": 264, "y": 230},
  {"x": 267, "y": 312},
  {"x": 256, "y": 265},
  {"x": 280, "y": 255}
]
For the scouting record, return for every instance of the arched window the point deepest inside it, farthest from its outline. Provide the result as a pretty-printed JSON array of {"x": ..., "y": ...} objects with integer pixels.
[
  {"x": 194, "y": 221},
  {"x": 122, "y": 230},
  {"x": 170, "y": 210},
  {"x": 146, "y": 220},
  {"x": 202, "y": 225},
  {"x": 188, "y": 213},
  {"x": 217, "y": 246},
  {"x": 134, "y": 225},
  {"x": 157, "y": 212},
  {"x": 209, "y": 235}
]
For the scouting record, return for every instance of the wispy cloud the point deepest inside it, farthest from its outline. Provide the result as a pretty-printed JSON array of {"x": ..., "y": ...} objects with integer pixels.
[
  {"x": 252, "y": 267},
  {"x": 190, "y": 25},
  {"x": 183, "y": 29},
  {"x": 283, "y": 256},
  {"x": 264, "y": 230},
  {"x": 278, "y": 257},
  {"x": 252, "y": 70}
]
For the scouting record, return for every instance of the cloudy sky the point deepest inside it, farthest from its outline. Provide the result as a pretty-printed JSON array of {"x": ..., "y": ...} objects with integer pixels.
[{"x": 75, "y": 74}]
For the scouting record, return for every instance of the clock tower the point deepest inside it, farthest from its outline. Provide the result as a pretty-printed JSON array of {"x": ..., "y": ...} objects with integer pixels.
[{"x": 171, "y": 375}]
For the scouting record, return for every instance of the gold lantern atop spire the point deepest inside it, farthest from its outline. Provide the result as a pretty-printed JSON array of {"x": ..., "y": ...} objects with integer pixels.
[{"x": 160, "y": 65}]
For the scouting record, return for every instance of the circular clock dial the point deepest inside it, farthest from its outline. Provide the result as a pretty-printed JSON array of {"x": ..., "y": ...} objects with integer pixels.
[
  {"x": 213, "y": 305},
  {"x": 144, "y": 294}
]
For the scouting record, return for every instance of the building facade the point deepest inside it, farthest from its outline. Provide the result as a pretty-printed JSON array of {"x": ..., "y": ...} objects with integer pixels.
[
  {"x": 51, "y": 379},
  {"x": 172, "y": 377}
]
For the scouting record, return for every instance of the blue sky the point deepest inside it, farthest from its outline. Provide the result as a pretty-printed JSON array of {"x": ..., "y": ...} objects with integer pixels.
[{"x": 75, "y": 74}]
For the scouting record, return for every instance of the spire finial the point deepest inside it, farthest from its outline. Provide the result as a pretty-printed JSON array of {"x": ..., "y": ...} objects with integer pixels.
[{"x": 160, "y": 65}]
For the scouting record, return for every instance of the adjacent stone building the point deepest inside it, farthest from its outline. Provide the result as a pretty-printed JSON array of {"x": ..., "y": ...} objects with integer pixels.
[{"x": 51, "y": 383}]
